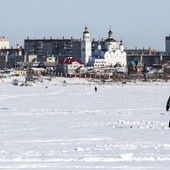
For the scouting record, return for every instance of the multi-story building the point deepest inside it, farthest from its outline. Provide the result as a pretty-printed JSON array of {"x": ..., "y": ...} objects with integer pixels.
[
  {"x": 4, "y": 43},
  {"x": 9, "y": 56},
  {"x": 12, "y": 51},
  {"x": 57, "y": 47},
  {"x": 167, "y": 44},
  {"x": 148, "y": 56}
]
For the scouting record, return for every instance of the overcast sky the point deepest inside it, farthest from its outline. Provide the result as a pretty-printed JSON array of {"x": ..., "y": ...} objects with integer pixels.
[{"x": 139, "y": 23}]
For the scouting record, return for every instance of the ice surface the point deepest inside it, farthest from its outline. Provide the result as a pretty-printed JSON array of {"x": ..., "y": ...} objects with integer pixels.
[{"x": 56, "y": 125}]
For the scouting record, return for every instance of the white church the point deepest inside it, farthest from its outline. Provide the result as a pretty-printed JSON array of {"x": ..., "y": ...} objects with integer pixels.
[{"x": 112, "y": 55}]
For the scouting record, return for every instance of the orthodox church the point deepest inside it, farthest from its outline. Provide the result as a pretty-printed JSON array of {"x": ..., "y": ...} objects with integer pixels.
[{"x": 112, "y": 55}]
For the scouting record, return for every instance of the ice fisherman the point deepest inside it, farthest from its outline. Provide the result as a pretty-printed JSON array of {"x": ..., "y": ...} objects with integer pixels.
[
  {"x": 168, "y": 104},
  {"x": 95, "y": 88}
]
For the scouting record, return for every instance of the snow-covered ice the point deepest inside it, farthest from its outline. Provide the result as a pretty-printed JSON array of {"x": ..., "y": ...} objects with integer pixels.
[{"x": 56, "y": 125}]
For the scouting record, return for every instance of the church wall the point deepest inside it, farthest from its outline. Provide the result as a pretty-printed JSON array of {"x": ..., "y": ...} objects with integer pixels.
[{"x": 110, "y": 56}]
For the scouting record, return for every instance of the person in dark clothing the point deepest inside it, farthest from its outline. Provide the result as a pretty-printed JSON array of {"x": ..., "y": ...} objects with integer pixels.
[
  {"x": 95, "y": 89},
  {"x": 168, "y": 104}
]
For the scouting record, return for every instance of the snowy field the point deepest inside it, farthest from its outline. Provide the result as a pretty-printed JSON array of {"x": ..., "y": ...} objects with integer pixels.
[{"x": 53, "y": 126}]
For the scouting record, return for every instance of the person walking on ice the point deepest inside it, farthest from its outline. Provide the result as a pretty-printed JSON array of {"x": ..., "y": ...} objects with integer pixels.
[
  {"x": 95, "y": 89},
  {"x": 168, "y": 104}
]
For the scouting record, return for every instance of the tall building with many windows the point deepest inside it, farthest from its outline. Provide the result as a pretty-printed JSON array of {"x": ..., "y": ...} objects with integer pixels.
[
  {"x": 57, "y": 47},
  {"x": 167, "y": 45}
]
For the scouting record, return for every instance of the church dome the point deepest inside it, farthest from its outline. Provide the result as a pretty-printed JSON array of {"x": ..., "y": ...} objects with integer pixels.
[
  {"x": 110, "y": 33},
  {"x": 86, "y": 30},
  {"x": 110, "y": 38}
]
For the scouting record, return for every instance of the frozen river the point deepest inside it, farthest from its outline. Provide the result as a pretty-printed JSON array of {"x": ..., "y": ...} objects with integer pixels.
[{"x": 55, "y": 126}]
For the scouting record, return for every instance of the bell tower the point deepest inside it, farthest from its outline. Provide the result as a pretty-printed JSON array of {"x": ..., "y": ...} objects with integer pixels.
[{"x": 85, "y": 47}]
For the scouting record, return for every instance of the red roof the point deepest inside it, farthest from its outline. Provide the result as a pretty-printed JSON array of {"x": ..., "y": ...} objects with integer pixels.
[{"x": 69, "y": 60}]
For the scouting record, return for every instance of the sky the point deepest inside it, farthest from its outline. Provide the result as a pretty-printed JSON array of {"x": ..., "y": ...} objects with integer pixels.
[{"x": 139, "y": 23}]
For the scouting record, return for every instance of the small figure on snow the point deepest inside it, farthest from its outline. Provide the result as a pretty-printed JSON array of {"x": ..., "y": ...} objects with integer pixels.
[
  {"x": 168, "y": 104},
  {"x": 95, "y": 88}
]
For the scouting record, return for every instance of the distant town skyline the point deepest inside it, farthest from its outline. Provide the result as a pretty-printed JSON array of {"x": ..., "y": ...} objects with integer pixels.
[{"x": 139, "y": 23}]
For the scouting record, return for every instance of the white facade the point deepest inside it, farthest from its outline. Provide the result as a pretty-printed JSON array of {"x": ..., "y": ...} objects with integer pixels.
[
  {"x": 4, "y": 43},
  {"x": 50, "y": 59},
  {"x": 114, "y": 53},
  {"x": 86, "y": 47},
  {"x": 110, "y": 58},
  {"x": 31, "y": 58},
  {"x": 70, "y": 65},
  {"x": 71, "y": 68}
]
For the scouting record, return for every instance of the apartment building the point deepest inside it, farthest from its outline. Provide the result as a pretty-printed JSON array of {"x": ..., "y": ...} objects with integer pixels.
[
  {"x": 4, "y": 43},
  {"x": 167, "y": 45},
  {"x": 59, "y": 48}
]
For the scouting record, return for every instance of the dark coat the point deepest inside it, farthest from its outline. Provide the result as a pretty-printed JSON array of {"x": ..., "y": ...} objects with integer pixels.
[{"x": 168, "y": 104}]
